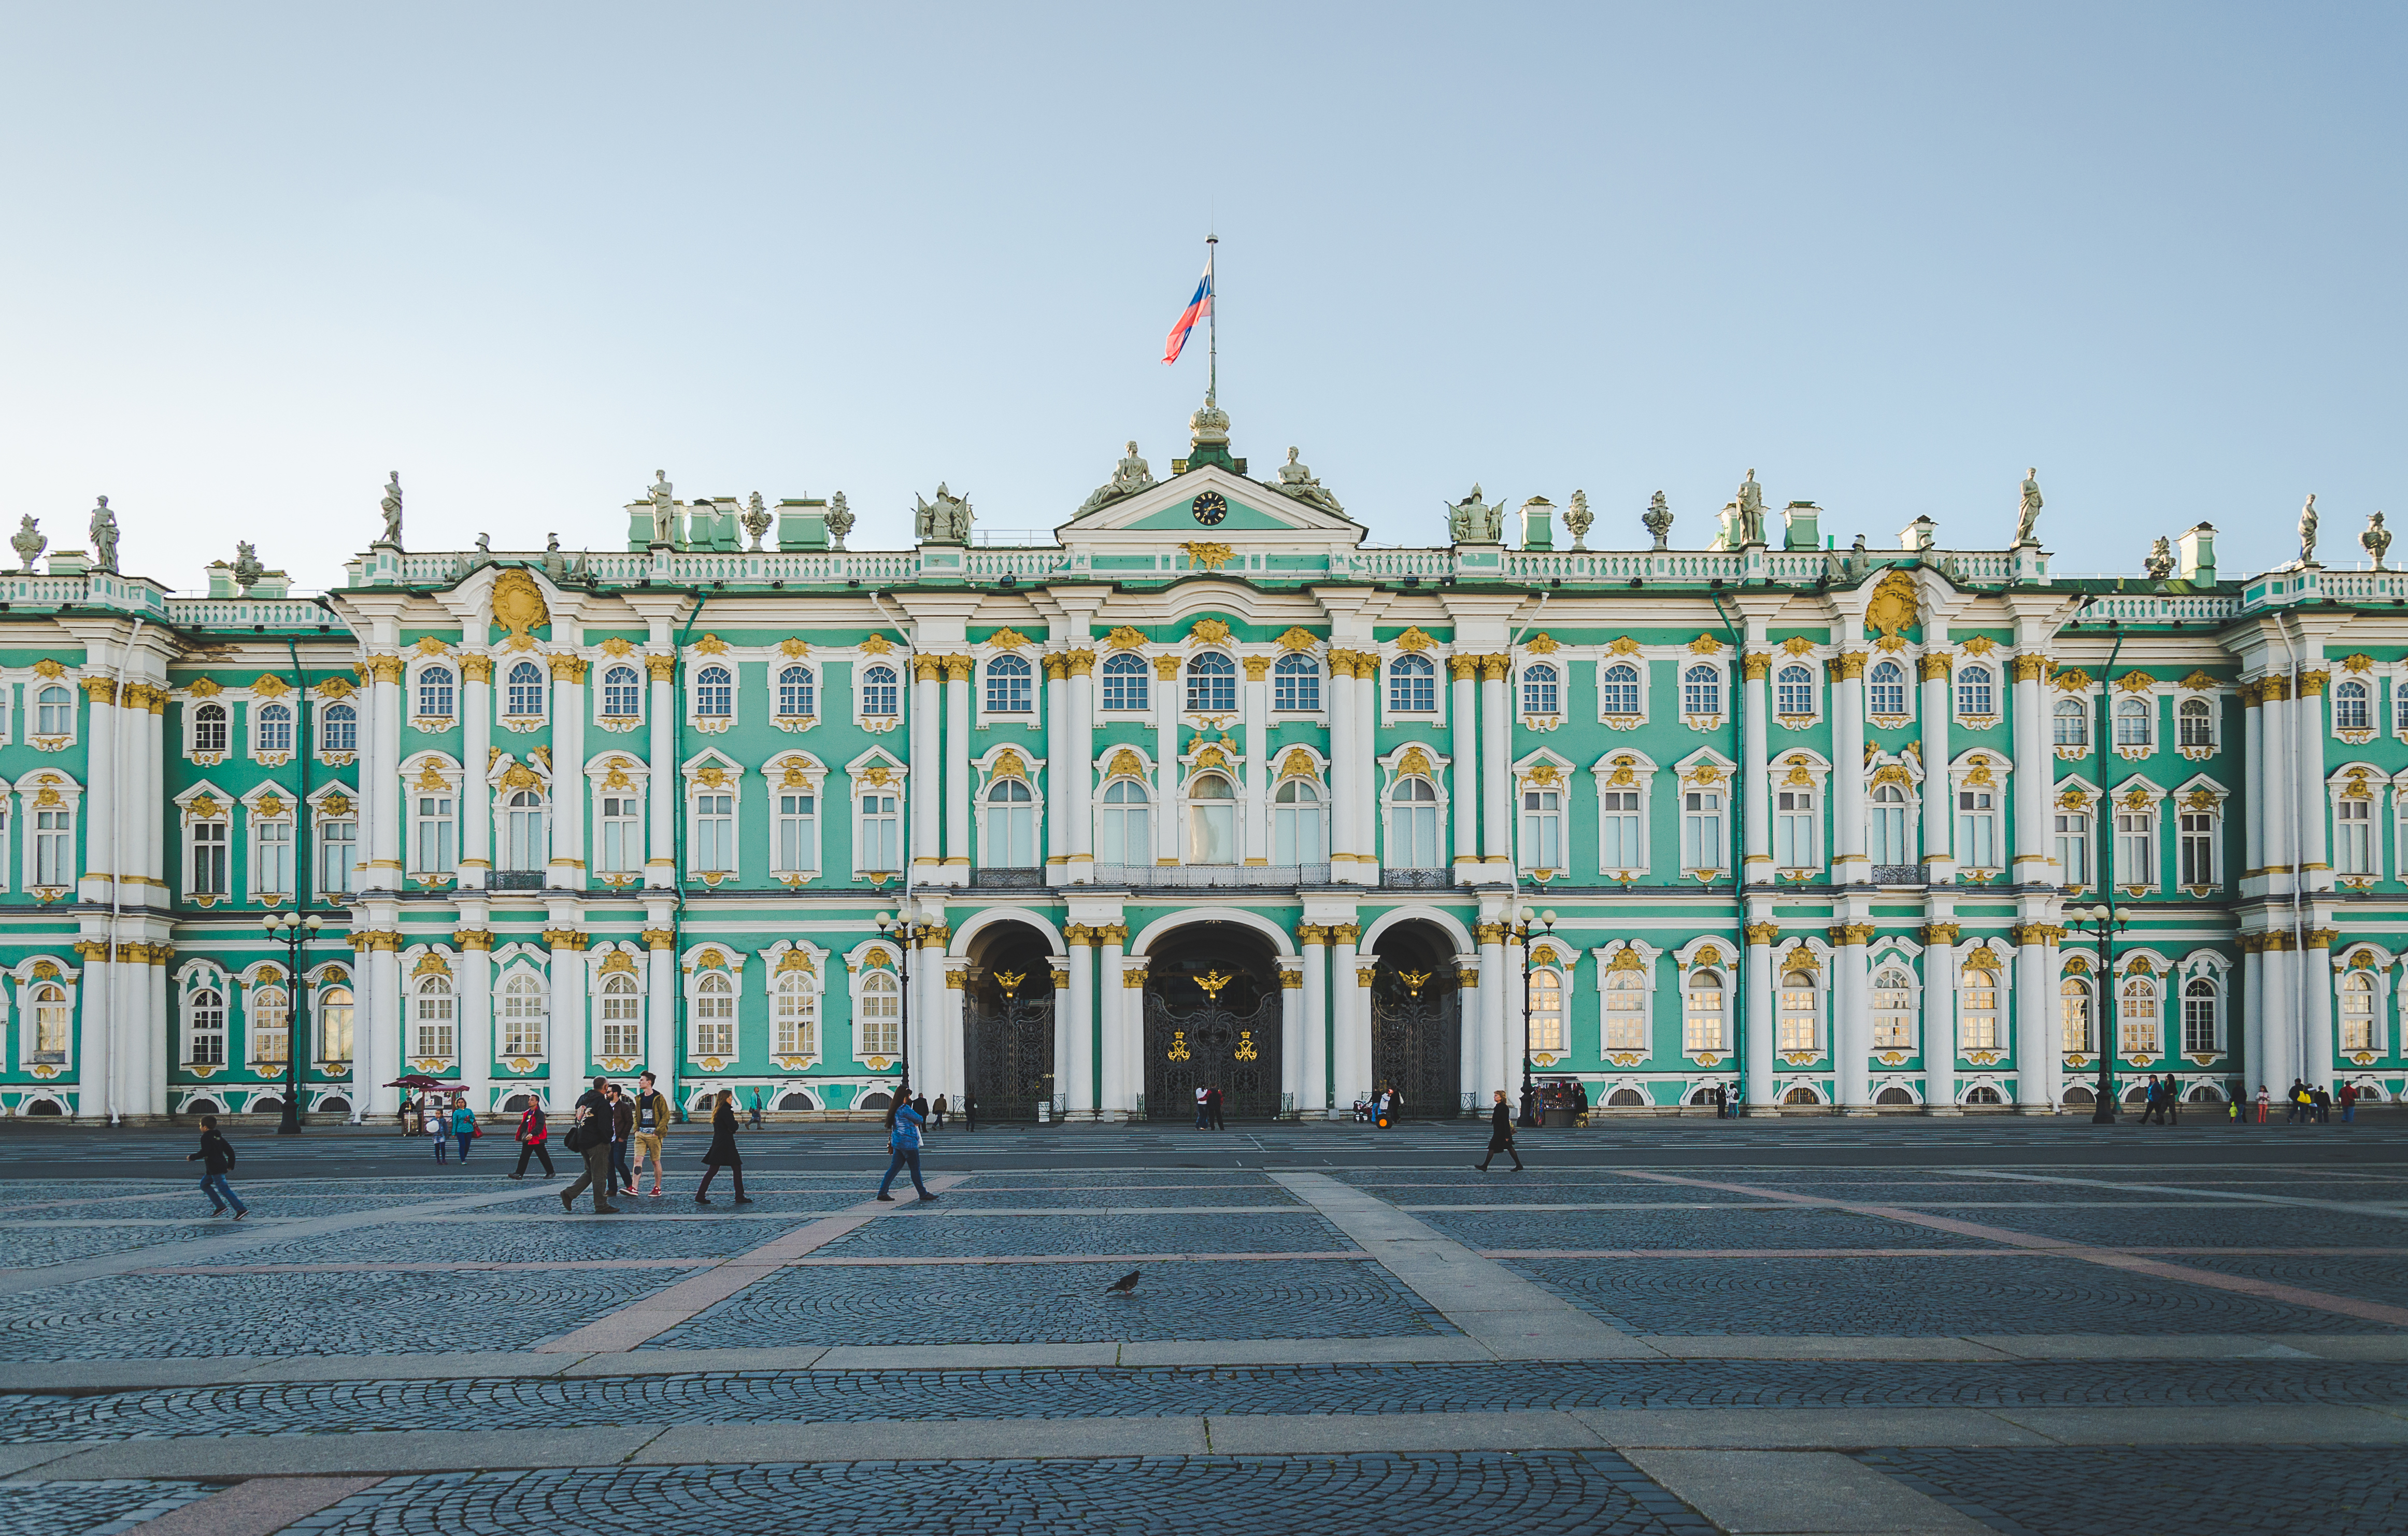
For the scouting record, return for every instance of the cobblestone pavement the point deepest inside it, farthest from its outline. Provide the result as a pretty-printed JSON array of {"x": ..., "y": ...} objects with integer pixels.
[
  {"x": 90, "y": 1509},
  {"x": 2384, "y": 1279},
  {"x": 933, "y": 1234},
  {"x": 1596, "y": 1493},
  {"x": 2325, "y": 1489},
  {"x": 1787, "y": 1227}
]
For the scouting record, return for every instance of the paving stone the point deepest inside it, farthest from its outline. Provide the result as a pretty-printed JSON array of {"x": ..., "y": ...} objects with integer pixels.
[
  {"x": 551, "y": 1238},
  {"x": 933, "y": 1234},
  {"x": 1790, "y": 1228},
  {"x": 100, "y": 1508},
  {"x": 2086, "y": 1492},
  {"x": 2370, "y": 1278},
  {"x": 31, "y": 1245},
  {"x": 2162, "y": 1225}
]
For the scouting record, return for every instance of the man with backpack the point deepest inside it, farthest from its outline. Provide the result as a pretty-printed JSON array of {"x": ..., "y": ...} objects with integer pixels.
[{"x": 589, "y": 1137}]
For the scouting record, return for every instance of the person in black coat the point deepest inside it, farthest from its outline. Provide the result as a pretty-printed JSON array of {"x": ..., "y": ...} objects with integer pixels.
[
  {"x": 723, "y": 1152},
  {"x": 1500, "y": 1134},
  {"x": 589, "y": 1137},
  {"x": 216, "y": 1158}
]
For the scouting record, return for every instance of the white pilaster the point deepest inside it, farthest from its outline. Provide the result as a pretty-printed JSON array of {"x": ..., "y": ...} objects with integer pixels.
[
  {"x": 1342, "y": 772},
  {"x": 382, "y": 791},
  {"x": 1762, "y": 1005},
  {"x": 660, "y": 860},
  {"x": 956, "y": 768},
  {"x": 1755, "y": 770},
  {"x": 476, "y": 795},
  {"x": 1493, "y": 1057},
  {"x": 1463, "y": 720},
  {"x": 572, "y": 1030},
  {"x": 1350, "y": 1055},
  {"x": 1255, "y": 805},
  {"x": 1291, "y": 974},
  {"x": 1079, "y": 1028},
  {"x": 2316, "y": 1026},
  {"x": 1850, "y": 865},
  {"x": 1496, "y": 769},
  {"x": 2035, "y": 1005},
  {"x": 1366, "y": 782},
  {"x": 1118, "y": 1046},
  {"x": 1074, "y": 770},
  {"x": 1939, "y": 801},
  {"x": 1313, "y": 1098},
  {"x": 1852, "y": 1015},
  {"x": 1060, "y": 765},
  {"x": 2035, "y": 759},
  {"x": 1940, "y": 1011},
  {"x": 1168, "y": 802},
  {"x": 474, "y": 972},
  {"x": 926, "y": 852},
  {"x": 662, "y": 1048},
  {"x": 569, "y": 799}
]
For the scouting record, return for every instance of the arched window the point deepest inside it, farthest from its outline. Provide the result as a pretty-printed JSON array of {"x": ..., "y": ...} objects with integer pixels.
[
  {"x": 205, "y": 1021},
  {"x": 623, "y": 694},
  {"x": 1121, "y": 828},
  {"x": 1297, "y": 834},
  {"x": 525, "y": 845},
  {"x": 1413, "y": 685},
  {"x": 2195, "y": 723},
  {"x": 522, "y": 1011},
  {"x": 2135, "y": 722},
  {"x": 53, "y": 711},
  {"x": 2139, "y": 1008},
  {"x": 1124, "y": 683},
  {"x": 2074, "y": 1015},
  {"x": 2073, "y": 717},
  {"x": 1702, "y": 690},
  {"x": 2350, "y": 706},
  {"x": 435, "y": 691},
  {"x": 1211, "y": 820},
  {"x": 338, "y": 729},
  {"x": 880, "y": 1029},
  {"x": 1978, "y": 1018},
  {"x": 1793, "y": 691},
  {"x": 714, "y": 1015},
  {"x": 1010, "y": 825},
  {"x": 2356, "y": 1012},
  {"x": 2198, "y": 1013},
  {"x": 794, "y": 1017},
  {"x": 1617, "y": 689},
  {"x": 1625, "y": 1010},
  {"x": 1701, "y": 1027},
  {"x": 795, "y": 695},
  {"x": 1885, "y": 689},
  {"x": 523, "y": 699},
  {"x": 334, "y": 1024},
  {"x": 1011, "y": 686},
  {"x": 433, "y": 1034},
  {"x": 1893, "y": 1010},
  {"x": 275, "y": 727},
  {"x": 1212, "y": 684},
  {"x": 714, "y": 693},
  {"x": 1974, "y": 692},
  {"x": 1295, "y": 683},
  {"x": 1413, "y": 825},
  {"x": 622, "y": 1017},
  {"x": 1542, "y": 693},
  {"x": 210, "y": 728},
  {"x": 1547, "y": 1011},
  {"x": 880, "y": 693},
  {"x": 49, "y": 1015},
  {"x": 1796, "y": 1024},
  {"x": 1887, "y": 823}
]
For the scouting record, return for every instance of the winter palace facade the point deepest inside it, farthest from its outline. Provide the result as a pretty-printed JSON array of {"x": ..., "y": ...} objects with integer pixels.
[{"x": 1203, "y": 790}]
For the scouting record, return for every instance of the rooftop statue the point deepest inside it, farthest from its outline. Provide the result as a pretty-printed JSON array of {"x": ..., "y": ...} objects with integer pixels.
[
  {"x": 1751, "y": 511},
  {"x": 2160, "y": 563},
  {"x": 2376, "y": 539},
  {"x": 840, "y": 521},
  {"x": 1472, "y": 521},
  {"x": 390, "y": 505},
  {"x": 663, "y": 499},
  {"x": 247, "y": 568},
  {"x": 103, "y": 537},
  {"x": 756, "y": 520},
  {"x": 944, "y": 521},
  {"x": 1130, "y": 475},
  {"x": 29, "y": 545},
  {"x": 2028, "y": 516},
  {"x": 554, "y": 566},
  {"x": 1298, "y": 480},
  {"x": 1578, "y": 519},
  {"x": 2308, "y": 532},
  {"x": 1657, "y": 519}
]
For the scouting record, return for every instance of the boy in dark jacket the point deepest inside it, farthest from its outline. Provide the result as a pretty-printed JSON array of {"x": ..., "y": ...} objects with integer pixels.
[{"x": 216, "y": 1158}]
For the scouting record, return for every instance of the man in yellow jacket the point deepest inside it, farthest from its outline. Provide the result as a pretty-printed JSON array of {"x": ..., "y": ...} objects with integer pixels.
[{"x": 651, "y": 1119}]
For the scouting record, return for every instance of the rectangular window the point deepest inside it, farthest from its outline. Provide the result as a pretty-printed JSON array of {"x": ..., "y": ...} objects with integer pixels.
[
  {"x": 2140, "y": 1019},
  {"x": 1893, "y": 1011},
  {"x": 271, "y": 1027},
  {"x": 882, "y": 832},
  {"x": 1701, "y": 830},
  {"x": 798, "y": 833},
  {"x": 623, "y": 1018},
  {"x": 623, "y": 835},
  {"x": 2135, "y": 858},
  {"x": 1625, "y": 1010},
  {"x": 1702, "y": 1026},
  {"x": 522, "y": 1017},
  {"x": 1977, "y": 829},
  {"x": 54, "y": 847},
  {"x": 433, "y": 1023},
  {"x": 337, "y": 847},
  {"x": 437, "y": 854},
  {"x": 1979, "y": 1030},
  {"x": 2074, "y": 848},
  {"x": 50, "y": 1023},
  {"x": 334, "y": 1024},
  {"x": 1547, "y": 1012},
  {"x": 2353, "y": 839},
  {"x": 1543, "y": 829},
  {"x": 2198, "y": 1019},
  {"x": 1620, "y": 843},
  {"x": 1792, "y": 829},
  {"x": 2198, "y": 830},
  {"x": 1795, "y": 1029},
  {"x": 714, "y": 834},
  {"x": 208, "y": 876},
  {"x": 274, "y": 858}
]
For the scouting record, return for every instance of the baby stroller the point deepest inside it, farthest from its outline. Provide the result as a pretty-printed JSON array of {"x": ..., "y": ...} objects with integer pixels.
[{"x": 1363, "y": 1111}]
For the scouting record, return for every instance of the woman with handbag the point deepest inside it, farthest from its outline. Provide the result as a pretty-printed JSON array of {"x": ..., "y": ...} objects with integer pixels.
[
  {"x": 464, "y": 1125},
  {"x": 722, "y": 1150},
  {"x": 533, "y": 1134}
]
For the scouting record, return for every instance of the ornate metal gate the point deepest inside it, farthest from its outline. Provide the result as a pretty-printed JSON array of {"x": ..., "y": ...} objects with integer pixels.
[
  {"x": 1417, "y": 1043},
  {"x": 1212, "y": 1044},
  {"x": 1011, "y": 1052}
]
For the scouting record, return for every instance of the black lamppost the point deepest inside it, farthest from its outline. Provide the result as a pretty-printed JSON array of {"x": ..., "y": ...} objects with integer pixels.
[
  {"x": 905, "y": 933},
  {"x": 1521, "y": 931},
  {"x": 293, "y": 931},
  {"x": 2106, "y": 923}
]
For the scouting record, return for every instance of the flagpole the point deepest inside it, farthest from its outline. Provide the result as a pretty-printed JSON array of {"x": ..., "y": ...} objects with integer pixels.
[{"x": 1212, "y": 324}]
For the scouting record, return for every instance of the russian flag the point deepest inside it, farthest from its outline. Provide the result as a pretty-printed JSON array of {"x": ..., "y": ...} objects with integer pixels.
[{"x": 1197, "y": 307}]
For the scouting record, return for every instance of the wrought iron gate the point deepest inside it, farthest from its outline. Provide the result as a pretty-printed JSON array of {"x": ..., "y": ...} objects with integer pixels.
[
  {"x": 1417, "y": 1047},
  {"x": 1212, "y": 1045},
  {"x": 1011, "y": 1052}
]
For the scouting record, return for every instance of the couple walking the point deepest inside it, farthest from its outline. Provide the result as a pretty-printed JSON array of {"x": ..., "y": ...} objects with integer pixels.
[{"x": 608, "y": 1122}]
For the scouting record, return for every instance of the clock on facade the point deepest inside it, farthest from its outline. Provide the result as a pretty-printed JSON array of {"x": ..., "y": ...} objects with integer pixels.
[{"x": 1210, "y": 508}]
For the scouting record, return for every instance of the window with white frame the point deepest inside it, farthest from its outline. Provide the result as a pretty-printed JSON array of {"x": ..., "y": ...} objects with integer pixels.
[
  {"x": 714, "y": 693},
  {"x": 2399, "y": 708},
  {"x": 206, "y": 839},
  {"x": 2195, "y": 724},
  {"x": 1413, "y": 685},
  {"x": 2138, "y": 1009},
  {"x": 1011, "y": 686},
  {"x": 1542, "y": 690},
  {"x": 1212, "y": 684},
  {"x": 794, "y": 1015},
  {"x": 2136, "y": 845},
  {"x": 714, "y": 1015},
  {"x": 1121, "y": 833},
  {"x": 434, "y": 844},
  {"x": 2074, "y": 1015},
  {"x": 1126, "y": 684},
  {"x": 1702, "y": 690},
  {"x": 1412, "y": 824},
  {"x": 271, "y": 1025},
  {"x": 1011, "y": 813},
  {"x": 2073, "y": 717},
  {"x": 1617, "y": 689},
  {"x": 47, "y": 1005},
  {"x": 877, "y": 1032},
  {"x": 2352, "y": 710},
  {"x": 54, "y": 711},
  {"x": 339, "y": 728},
  {"x": 434, "y": 1020},
  {"x": 1295, "y": 685},
  {"x": 1543, "y": 827},
  {"x": 2074, "y": 848},
  {"x": 1977, "y": 1026},
  {"x": 53, "y": 845},
  {"x": 1889, "y": 827},
  {"x": 205, "y": 1024},
  {"x": 797, "y": 831},
  {"x": 2353, "y": 836},
  {"x": 622, "y": 693},
  {"x": 1795, "y": 1028},
  {"x": 880, "y": 825},
  {"x": 339, "y": 848},
  {"x": 881, "y": 693},
  {"x": 1701, "y": 1021},
  {"x": 713, "y": 848},
  {"x": 622, "y": 1017},
  {"x": 210, "y": 728},
  {"x": 1795, "y": 821},
  {"x": 522, "y": 1015},
  {"x": 1546, "y": 1011},
  {"x": 1977, "y": 826},
  {"x": 436, "y": 692},
  {"x": 1211, "y": 820},
  {"x": 621, "y": 834},
  {"x": 1702, "y": 845},
  {"x": 2199, "y": 1015},
  {"x": 1893, "y": 1009},
  {"x": 272, "y": 854},
  {"x": 1793, "y": 691},
  {"x": 526, "y": 837},
  {"x": 797, "y": 700},
  {"x": 1625, "y": 1010},
  {"x": 1620, "y": 845},
  {"x": 335, "y": 1024},
  {"x": 1886, "y": 690},
  {"x": 2196, "y": 846},
  {"x": 522, "y": 692},
  {"x": 1976, "y": 692},
  {"x": 1297, "y": 828},
  {"x": 2357, "y": 1011},
  {"x": 2136, "y": 722}
]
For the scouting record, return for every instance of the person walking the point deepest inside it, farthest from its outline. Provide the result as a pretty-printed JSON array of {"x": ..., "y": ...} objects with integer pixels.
[
  {"x": 1203, "y": 1109},
  {"x": 2173, "y": 1101},
  {"x": 2348, "y": 1097},
  {"x": 216, "y": 1158},
  {"x": 532, "y": 1135},
  {"x": 622, "y": 1140},
  {"x": 904, "y": 1145},
  {"x": 438, "y": 1120},
  {"x": 1580, "y": 1104},
  {"x": 753, "y": 1123},
  {"x": 464, "y": 1125},
  {"x": 589, "y": 1137},
  {"x": 1212, "y": 1103},
  {"x": 652, "y": 1118},
  {"x": 2261, "y": 1103},
  {"x": 722, "y": 1153},
  {"x": 1500, "y": 1134},
  {"x": 937, "y": 1114}
]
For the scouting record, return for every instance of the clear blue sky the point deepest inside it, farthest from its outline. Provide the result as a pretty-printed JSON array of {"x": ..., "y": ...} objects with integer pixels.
[{"x": 1886, "y": 255}]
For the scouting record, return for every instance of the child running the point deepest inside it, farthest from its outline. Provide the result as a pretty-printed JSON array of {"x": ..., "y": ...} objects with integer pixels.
[{"x": 216, "y": 1158}]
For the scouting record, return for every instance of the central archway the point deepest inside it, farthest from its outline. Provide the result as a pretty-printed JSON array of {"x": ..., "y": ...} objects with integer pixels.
[
  {"x": 1212, "y": 1020},
  {"x": 1008, "y": 1022},
  {"x": 1417, "y": 1021}
]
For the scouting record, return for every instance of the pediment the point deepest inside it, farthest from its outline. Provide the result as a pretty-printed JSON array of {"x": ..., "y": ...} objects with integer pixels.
[{"x": 1165, "y": 513}]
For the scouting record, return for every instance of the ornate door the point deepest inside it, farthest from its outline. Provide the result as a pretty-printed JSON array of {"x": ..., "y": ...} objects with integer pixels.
[
  {"x": 1011, "y": 1052},
  {"x": 1417, "y": 1043},
  {"x": 1206, "y": 1042}
]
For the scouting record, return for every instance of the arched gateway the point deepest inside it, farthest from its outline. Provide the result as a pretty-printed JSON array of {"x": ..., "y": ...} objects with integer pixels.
[
  {"x": 1212, "y": 1020},
  {"x": 1417, "y": 1021},
  {"x": 1007, "y": 1023}
]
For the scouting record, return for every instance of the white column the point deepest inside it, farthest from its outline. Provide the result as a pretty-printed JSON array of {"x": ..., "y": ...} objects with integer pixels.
[
  {"x": 2274, "y": 796},
  {"x": 1291, "y": 974},
  {"x": 1940, "y": 1014},
  {"x": 381, "y": 790},
  {"x": 948, "y": 1057},
  {"x": 476, "y": 978},
  {"x": 1493, "y": 1051},
  {"x": 928, "y": 854},
  {"x": 1313, "y": 1097},
  {"x": 661, "y": 1044},
  {"x": 1168, "y": 802},
  {"x": 1495, "y": 768},
  {"x": 1513, "y": 1008},
  {"x": 1075, "y": 768},
  {"x": 571, "y": 1036},
  {"x": 103, "y": 813},
  {"x": 2280, "y": 983},
  {"x": 660, "y": 860},
  {"x": 2035, "y": 758},
  {"x": 1467, "y": 1003},
  {"x": 2252, "y": 1017},
  {"x": 1756, "y": 777},
  {"x": 1342, "y": 774},
  {"x": 2035, "y": 1004},
  {"x": 1852, "y": 866},
  {"x": 1851, "y": 1016},
  {"x": 2310, "y": 731},
  {"x": 1939, "y": 802},
  {"x": 1463, "y": 794},
  {"x": 1123, "y": 1082},
  {"x": 2253, "y": 772},
  {"x": 1254, "y": 804},
  {"x": 1350, "y": 1055},
  {"x": 1058, "y": 769},
  {"x": 384, "y": 1039},
  {"x": 1081, "y": 1025},
  {"x": 1762, "y": 1007},
  {"x": 568, "y": 797},
  {"x": 1366, "y": 782},
  {"x": 476, "y": 795},
  {"x": 957, "y": 754},
  {"x": 2317, "y": 1028}
]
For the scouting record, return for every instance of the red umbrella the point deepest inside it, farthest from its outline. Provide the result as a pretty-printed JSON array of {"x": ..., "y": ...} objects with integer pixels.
[{"x": 420, "y": 1079}]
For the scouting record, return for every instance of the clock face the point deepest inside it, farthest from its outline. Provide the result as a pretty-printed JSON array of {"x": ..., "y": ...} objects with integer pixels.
[{"x": 1210, "y": 508}]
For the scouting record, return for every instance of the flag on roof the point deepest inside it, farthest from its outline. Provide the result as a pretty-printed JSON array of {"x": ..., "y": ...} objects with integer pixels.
[{"x": 1197, "y": 307}]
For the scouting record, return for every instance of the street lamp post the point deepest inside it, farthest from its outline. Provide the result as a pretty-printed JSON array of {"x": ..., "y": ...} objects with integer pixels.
[
  {"x": 905, "y": 933},
  {"x": 2106, "y": 923},
  {"x": 293, "y": 931},
  {"x": 1521, "y": 931}
]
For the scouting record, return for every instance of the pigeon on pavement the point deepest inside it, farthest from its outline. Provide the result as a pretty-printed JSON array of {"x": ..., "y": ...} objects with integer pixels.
[{"x": 1125, "y": 1284}]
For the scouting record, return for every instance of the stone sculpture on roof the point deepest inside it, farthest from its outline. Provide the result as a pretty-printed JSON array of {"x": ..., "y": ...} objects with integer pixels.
[
  {"x": 2376, "y": 539},
  {"x": 663, "y": 499},
  {"x": 1296, "y": 480},
  {"x": 840, "y": 521},
  {"x": 1473, "y": 520},
  {"x": 1130, "y": 475},
  {"x": 944, "y": 521},
  {"x": 29, "y": 545},
  {"x": 103, "y": 537},
  {"x": 1751, "y": 511},
  {"x": 2308, "y": 532},
  {"x": 1658, "y": 519},
  {"x": 2028, "y": 515},
  {"x": 390, "y": 505}
]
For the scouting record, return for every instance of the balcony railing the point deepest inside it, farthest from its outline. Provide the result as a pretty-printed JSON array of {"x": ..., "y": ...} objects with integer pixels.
[
  {"x": 1211, "y": 877},
  {"x": 514, "y": 879},
  {"x": 1898, "y": 874},
  {"x": 1416, "y": 880},
  {"x": 1007, "y": 880}
]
